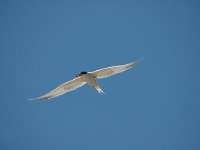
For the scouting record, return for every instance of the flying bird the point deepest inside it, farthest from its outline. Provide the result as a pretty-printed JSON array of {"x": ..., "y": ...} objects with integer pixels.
[{"x": 87, "y": 77}]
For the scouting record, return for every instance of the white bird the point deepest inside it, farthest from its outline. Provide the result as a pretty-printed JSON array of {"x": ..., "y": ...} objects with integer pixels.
[{"x": 89, "y": 78}]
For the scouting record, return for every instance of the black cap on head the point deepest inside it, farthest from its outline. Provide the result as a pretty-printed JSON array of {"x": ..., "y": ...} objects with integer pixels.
[{"x": 83, "y": 72}]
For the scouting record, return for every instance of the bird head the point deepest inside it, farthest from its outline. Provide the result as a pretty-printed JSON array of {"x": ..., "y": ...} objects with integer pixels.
[{"x": 81, "y": 73}]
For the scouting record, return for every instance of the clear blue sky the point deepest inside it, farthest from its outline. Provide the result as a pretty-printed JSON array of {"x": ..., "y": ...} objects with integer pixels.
[{"x": 153, "y": 106}]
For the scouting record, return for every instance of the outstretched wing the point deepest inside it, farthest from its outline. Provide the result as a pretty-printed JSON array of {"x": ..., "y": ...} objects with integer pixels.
[
  {"x": 109, "y": 71},
  {"x": 66, "y": 87}
]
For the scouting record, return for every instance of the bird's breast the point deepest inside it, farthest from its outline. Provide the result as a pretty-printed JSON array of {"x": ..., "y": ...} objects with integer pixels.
[{"x": 89, "y": 79}]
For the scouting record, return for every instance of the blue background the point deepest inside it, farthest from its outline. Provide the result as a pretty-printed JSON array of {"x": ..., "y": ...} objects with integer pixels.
[{"x": 153, "y": 106}]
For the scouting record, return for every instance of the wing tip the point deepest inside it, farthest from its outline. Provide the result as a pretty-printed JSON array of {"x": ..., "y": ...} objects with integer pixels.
[
  {"x": 40, "y": 98},
  {"x": 31, "y": 99},
  {"x": 35, "y": 99},
  {"x": 141, "y": 58},
  {"x": 137, "y": 61}
]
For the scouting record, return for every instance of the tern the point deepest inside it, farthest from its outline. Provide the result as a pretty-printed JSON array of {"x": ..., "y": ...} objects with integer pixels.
[{"x": 87, "y": 77}]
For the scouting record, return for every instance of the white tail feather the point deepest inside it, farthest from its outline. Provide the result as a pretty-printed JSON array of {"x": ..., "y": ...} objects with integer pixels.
[{"x": 99, "y": 90}]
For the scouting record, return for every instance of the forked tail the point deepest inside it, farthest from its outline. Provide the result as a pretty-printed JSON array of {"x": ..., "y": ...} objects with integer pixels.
[{"x": 99, "y": 89}]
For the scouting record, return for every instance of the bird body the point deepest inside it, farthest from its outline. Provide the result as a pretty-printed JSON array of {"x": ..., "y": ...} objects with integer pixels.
[{"x": 89, "y": 78}]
